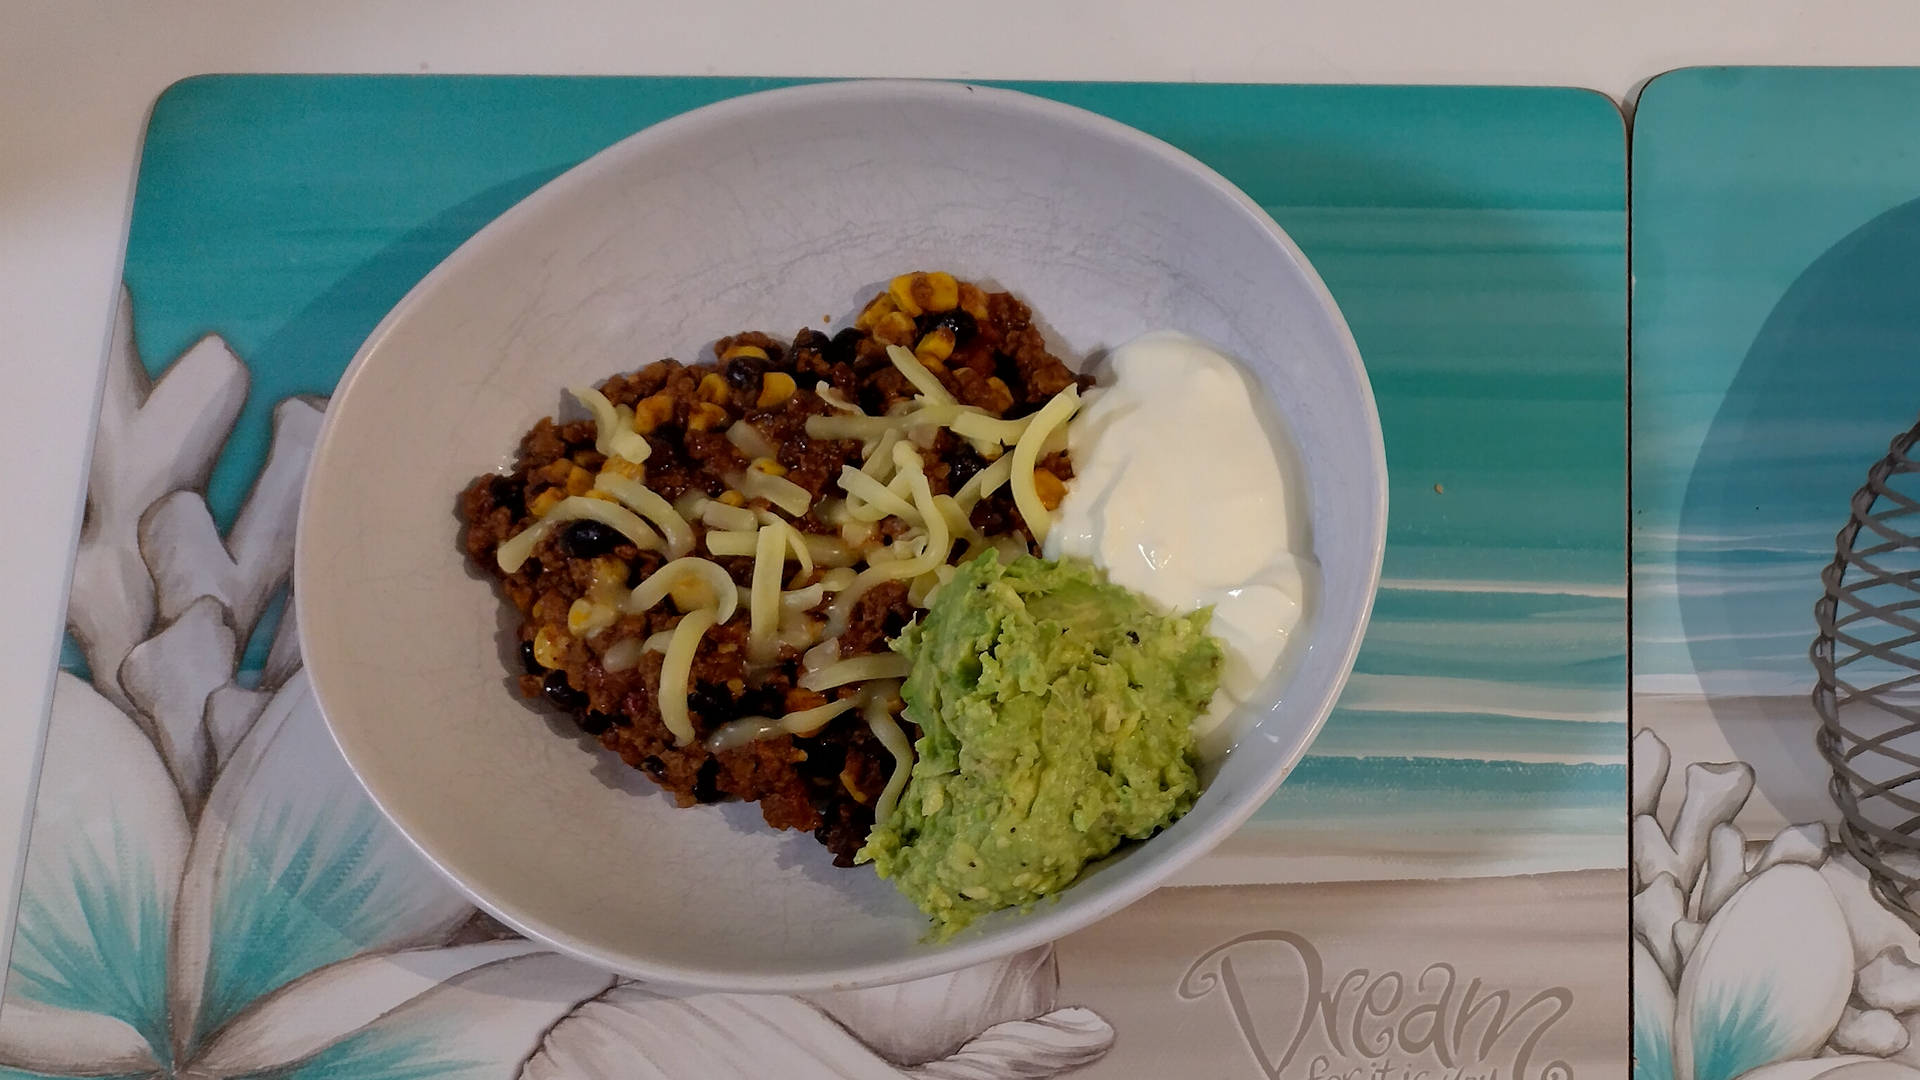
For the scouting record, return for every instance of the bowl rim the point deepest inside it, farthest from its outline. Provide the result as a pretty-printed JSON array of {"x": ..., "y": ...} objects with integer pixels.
[{"x": 1037, "y": 927}]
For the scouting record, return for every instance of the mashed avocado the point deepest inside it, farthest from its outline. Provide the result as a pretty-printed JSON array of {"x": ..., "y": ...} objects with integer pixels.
[{"x": 1056, "y": 716}]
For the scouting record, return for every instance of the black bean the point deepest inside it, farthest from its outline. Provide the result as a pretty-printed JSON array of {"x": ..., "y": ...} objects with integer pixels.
[
  {"x": 1005, "y": 366},
  {"x": 824, "y": 758},
  {"x": 594, "y": 722},
  {"x": 506, "y": 494},
  {"x": 743, "y": 371},
  {"x": 962, "y": 464},
  {"x": 811, "y": 340},
  {"x": 561, "y": 692},
  {"x": 760, "y": 701},
  {"x": 653, "y": 767},
  {"x": 712, "y": 703},
  {"x": 706, "y": 782},
  {"x": 958, "y": 321},
  {"x": 527, "y": 660},
  {"x": 841, "y": 348},
  {"x": 585, "y": 539}
]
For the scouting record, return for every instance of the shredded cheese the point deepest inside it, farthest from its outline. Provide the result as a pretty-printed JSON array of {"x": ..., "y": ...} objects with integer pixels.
[
  {"x": 920, "y": 590},
  {"x": 724, "y": 597},
  {"x": 623, "y": 655},
  {"x": 808, "y": 721},
  {"x": 923, "y": 380},
  {"x": 879, "y": 461},
  {"x": 797, "y": 630},
  {"x": 821, "y": 655},
  {"x": 877, "y": 500},
  {"x": 514, "y": 552},
  {"x": 938, "y": 543},
  {"x": 983, "y": 483},
  {"x": 1026, "y": 453},
  {"x": 732, "y": 543},
  {"x": 718, "y": 515},
  {"x": 957, "y": 522},
  {"x": 613, "y": 433},
  {"x": 826, "y": 392},
  {"x": 803, "y": 599},
  {"x": 828, "y": 551},
  {"x": 777, "y": 490},
  {"x": 879, "y": 717},
  {"x": 748, "y": 729},
  {"x": 840, "y": 577},
  {"x": 802, "y": 554},
  {"x": 857, "y": 669},
  {"x": 875, "y": 427},
  {"x": 978, "y": 425},
  {"x": 644, "y": 501},
  {"x": 750, "y": 441},
  {"x": 675, "y": 670},
  {"x": 763, "y": 613}
]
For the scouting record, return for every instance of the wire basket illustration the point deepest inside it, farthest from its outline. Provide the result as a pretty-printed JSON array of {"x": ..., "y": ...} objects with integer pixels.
[{"x": 1867, "y": 658}]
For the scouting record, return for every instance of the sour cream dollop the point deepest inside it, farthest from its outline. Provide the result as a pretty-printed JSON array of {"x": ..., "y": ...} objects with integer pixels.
[{"x": 1179, "y": 494}]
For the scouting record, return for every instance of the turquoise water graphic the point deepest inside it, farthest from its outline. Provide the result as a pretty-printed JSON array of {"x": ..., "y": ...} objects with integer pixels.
[{"x": 1777, "y": 350}]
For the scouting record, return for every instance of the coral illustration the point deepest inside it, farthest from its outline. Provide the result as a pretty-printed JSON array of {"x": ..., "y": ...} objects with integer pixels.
[
  {"x": 1770, "y": 961},
  {"x": 209, "y": 893}
]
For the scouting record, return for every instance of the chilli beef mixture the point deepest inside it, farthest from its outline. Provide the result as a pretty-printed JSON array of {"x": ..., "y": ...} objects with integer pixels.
[{"x": 708, "y": 572}]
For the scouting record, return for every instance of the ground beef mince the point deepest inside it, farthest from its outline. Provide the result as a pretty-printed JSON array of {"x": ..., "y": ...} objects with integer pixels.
[{"x": 986, "y": 352}]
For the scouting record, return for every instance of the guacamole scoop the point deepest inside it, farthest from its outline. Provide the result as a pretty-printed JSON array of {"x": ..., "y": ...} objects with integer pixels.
[{"x": 1056, "y": 715}]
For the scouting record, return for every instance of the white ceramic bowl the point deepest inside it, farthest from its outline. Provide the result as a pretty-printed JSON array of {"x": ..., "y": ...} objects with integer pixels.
[{"x": 767, "y": 212}]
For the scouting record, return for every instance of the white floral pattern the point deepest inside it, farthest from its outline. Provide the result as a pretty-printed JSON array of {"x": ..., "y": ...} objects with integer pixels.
[
  {"x": 209, "y": 893},
  {"x": 1764, "y": 961}
]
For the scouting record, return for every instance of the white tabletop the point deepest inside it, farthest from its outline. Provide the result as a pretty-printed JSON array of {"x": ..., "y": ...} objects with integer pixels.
[{"x": 77, "y": 79}]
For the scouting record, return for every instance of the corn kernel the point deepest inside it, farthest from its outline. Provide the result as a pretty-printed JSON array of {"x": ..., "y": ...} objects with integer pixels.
[
  {"x": 895, "y": 329},
  {"x": 556, "y": 471},
  {"x": 578, "y": 615},
  {"x": 751, "y": 352},
  {"x": 609, "y": 573},
  {"x": 1002, "y": 395},
  {"x": 901, "y": 289},
  {"x": 768, "y": 466},
  {"x": 620, "y": 466},
  {"x": 545, "y": 501},
  {"x": 973, "y": 301},
  {"x": 733, "y": 498},
  {"x": 652, "y": 412},
  {"x": 1049, "y": 487},
  {"x": 714, "y": 388},
  {"x": 878, "y": 308},
  {"x": 579, "y": 481},
  {"x": 550, "y": 647},
  {"x": 690, "y": 592},
  {"x": 846, "y": 781},
  {"x": 920, "y": 294},
  {"x": 706, "y": 416},
  {"x": 937, "y": 345},
  {"x": 937, "y": 292},
  {"x": 775, "y": 388}
]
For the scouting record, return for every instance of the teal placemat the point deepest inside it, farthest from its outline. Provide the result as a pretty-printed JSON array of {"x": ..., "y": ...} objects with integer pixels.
[
  {"x": 177, "y": 894},
  {"x": 1776, "y": 354}
]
